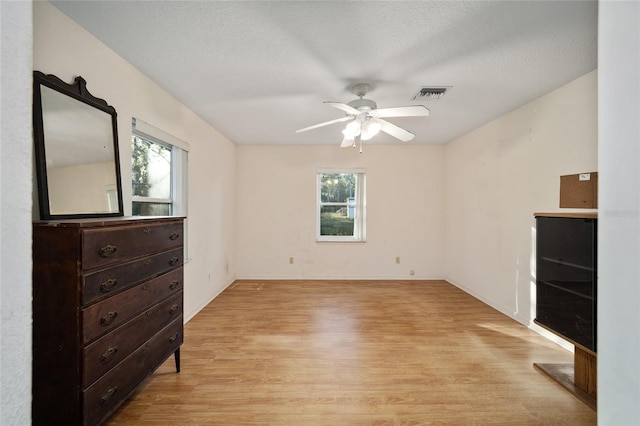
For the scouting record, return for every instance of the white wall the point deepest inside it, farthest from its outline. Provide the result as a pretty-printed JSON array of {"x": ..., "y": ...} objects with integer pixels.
[
  {"x": 15, "y": 213},
  {"x": 276, "y": 201},
  {"x": 500, "y": 174},
  {"x": 619, "y": 218},
  {"x": 63, "y": 48}
]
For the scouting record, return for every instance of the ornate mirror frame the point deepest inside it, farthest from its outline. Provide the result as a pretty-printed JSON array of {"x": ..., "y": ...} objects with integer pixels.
[{"x": 64, "y": 132}]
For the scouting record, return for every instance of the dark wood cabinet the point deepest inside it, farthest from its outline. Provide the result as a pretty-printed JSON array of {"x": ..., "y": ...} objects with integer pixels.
[
  {"x": 566, "y": 277},
  {"x": 107, "y": 311},
  {"x": 566, "y": 295}
]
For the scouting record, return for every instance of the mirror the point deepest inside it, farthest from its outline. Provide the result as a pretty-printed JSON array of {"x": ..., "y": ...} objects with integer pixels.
[{"x": 76, "y": 147}]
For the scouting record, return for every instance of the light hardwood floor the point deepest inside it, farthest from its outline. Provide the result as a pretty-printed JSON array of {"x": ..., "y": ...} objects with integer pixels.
[{"x": 355, "y": 353}]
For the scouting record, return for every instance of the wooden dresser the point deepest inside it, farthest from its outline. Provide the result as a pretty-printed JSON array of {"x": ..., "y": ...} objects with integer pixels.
[{"x": 107, "y": 311}]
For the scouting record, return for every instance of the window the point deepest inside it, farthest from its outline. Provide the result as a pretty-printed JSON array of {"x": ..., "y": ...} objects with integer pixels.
[
  {"x": 341, "y": 207},
  {"x": 158, "y": 172}
]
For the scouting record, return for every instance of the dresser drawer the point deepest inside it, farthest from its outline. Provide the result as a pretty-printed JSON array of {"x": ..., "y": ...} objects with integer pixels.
[
  {"x": 105, "y": 316},
  {"x": 106, "y": 395},
  {"x": 105, "y": 282},
  {"x": 110, "y": 245},
  {"x": 108, "y": 351}
]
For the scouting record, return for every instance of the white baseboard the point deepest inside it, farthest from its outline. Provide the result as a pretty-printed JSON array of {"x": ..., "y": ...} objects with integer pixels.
[
  {"x": 522, "y": 319},
  {"x": 340, "y": 277}
]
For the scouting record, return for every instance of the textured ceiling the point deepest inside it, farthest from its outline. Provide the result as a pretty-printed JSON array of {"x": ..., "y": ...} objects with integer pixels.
[{"x": 259, "y": 70}]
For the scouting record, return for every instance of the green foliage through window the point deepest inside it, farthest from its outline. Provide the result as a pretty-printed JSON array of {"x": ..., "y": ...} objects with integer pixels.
[
  {"x": 337, "y": 187},
  {"x": 150, "y": 178},
  {"x": 335, "y": 224}
]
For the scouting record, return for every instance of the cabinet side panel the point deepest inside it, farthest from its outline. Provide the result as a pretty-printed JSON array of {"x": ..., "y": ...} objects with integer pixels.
[{"x": 56, "y": 325}]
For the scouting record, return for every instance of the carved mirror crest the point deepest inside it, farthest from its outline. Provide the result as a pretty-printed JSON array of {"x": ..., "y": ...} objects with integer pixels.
[{"x": 76, "y": 149}]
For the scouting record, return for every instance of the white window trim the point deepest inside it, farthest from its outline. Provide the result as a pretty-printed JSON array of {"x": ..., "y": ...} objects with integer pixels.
[
  {"x": 158, "y": 134},
  {"x": 179, "y": 179},
  {"x": 360, "y": 207},
  {"x": 151, "y": 200}
]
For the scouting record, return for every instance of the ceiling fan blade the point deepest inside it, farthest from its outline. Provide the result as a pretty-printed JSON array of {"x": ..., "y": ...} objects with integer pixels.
[
  {"x": 344, "y": 107},
  {"x": 407, "y": 111},
  {"x": 396, "y": 132},
  {"x": 326, "y": 123}
]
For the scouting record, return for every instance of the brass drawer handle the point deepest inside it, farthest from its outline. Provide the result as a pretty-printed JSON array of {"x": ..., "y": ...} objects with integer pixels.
[
  {"x": 107, "y": 251},
  {"x": 109, "y": 318},
  {"x": 174, "y": 284},
  {"x": 174, "y": 261},
  {"x": 108, "y": 355},
  {"x": 174, "y": 236},
  {"x": 146, "y": 230},
  {"x": 146, "y": 262},
  {"x": 109, "y": 395},
  {"x": 173, "y": 309},
  {"x": 173, "y": 338},
  {"x": 108, "y": 285}
]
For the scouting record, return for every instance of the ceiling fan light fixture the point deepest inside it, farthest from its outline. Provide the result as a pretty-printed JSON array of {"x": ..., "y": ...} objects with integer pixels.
[
  {"x": 346, "y": 143},
  {"x": 370, "y": 128},
  {"x": 352, "y": 130}
]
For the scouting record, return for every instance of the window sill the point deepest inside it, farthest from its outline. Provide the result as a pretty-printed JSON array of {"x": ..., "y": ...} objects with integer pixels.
[{"x": 341, "y": 241}]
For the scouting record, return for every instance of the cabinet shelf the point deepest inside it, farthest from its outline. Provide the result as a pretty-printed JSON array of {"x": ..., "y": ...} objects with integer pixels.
[
  {"x": 565, "y": 263},
  {"x": 563, "y": 287}
]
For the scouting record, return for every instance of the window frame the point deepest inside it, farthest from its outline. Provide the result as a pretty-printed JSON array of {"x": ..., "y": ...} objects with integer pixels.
[{"x": 359, "y": 223}]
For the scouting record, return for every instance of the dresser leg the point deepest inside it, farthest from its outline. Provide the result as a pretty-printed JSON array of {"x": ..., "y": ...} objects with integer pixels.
[{"x": 176, "y": 355}]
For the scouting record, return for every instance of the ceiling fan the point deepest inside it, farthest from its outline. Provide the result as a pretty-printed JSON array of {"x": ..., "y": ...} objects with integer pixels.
[{"x": 365, "y": 120}]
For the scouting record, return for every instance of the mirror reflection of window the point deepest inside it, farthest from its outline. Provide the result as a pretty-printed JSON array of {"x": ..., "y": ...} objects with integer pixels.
[{"x": 112, "y": 197}]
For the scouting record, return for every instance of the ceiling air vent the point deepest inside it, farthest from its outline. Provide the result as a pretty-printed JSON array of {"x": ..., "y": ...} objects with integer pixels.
[{"x": 430, "y": 93}]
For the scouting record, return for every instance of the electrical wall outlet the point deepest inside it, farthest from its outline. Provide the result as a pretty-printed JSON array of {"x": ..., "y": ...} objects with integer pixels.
[
  {"x": 397, "y": 259},
  {"x": 291, "y": 260}
]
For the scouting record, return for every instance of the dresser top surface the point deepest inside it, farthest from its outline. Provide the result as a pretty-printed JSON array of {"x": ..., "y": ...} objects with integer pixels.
[
  {"x": 576, "y": 215},
  {"x": 105, "y": 221}
]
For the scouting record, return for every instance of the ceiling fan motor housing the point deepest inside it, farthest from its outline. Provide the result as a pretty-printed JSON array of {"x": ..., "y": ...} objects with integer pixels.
[{"x": 363, "y": 104}]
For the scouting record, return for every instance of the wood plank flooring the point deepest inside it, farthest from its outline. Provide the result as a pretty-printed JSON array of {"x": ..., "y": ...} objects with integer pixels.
[{"x": 355, "y": 353}]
